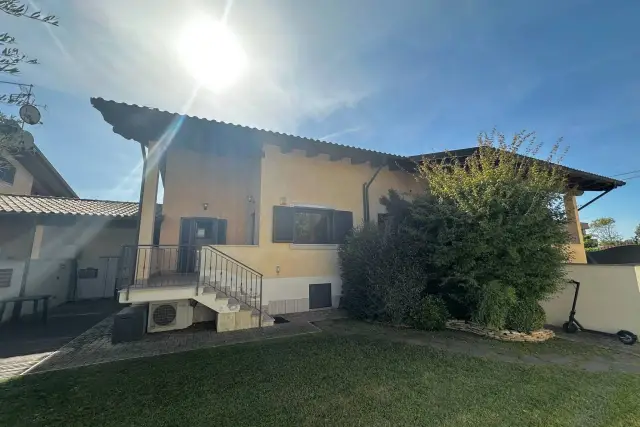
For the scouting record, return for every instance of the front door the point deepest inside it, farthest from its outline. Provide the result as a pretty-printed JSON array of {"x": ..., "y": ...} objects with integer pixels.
[{"x": 195, "y": 233}]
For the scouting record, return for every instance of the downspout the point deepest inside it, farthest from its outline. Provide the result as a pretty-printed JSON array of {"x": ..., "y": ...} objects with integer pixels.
[{"x": 365, "y": 194}]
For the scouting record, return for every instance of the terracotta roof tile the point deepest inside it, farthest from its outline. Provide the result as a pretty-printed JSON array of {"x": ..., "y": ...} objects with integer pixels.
[{"x": 66, "y": 206}]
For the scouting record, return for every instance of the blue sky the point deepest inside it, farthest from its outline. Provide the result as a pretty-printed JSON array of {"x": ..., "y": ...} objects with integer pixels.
[{"x": 406, "y": 77}]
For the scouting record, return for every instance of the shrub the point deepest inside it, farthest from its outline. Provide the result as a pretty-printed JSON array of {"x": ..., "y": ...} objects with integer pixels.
[
  {"x": 494, "y": 305},
  {"x": 381, "y": 280},
  {"x": 430, "y": 314},
  {"x": 359, "y": 258},
  {"x": 526, "y": 316}
]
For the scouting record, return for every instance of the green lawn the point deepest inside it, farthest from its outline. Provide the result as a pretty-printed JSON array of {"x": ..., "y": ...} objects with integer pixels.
[{"x": 321, "y": 379}]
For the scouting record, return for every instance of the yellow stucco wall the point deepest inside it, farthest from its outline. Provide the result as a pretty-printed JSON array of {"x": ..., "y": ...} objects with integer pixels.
[
  {"x": 226, "y": 184},
  {"x": 22, "y": 182},
  {"x": 293, "y": 178}
]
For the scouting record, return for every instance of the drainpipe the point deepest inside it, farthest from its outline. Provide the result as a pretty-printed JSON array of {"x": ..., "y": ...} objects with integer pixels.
[{"x": 365, "y": 194}]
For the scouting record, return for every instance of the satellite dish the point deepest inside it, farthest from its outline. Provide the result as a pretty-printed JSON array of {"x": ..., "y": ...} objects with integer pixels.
[{"x": 30, "y": 114}]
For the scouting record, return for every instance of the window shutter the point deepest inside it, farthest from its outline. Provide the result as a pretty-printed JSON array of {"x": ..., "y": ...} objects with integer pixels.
[
  {"x": 342, "y": 225},
  {"x": 283, "y": 217},
  {"x": 222, "y": 232}
]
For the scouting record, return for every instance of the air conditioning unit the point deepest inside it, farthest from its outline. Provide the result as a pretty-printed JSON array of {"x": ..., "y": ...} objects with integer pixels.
[{"x": 169, "y": 315}]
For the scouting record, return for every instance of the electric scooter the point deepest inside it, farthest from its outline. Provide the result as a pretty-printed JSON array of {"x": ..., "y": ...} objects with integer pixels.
[{"x": 573, "y": 326}]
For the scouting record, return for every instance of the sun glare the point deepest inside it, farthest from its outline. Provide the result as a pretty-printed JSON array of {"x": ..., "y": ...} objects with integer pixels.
[{"x": 212, "y": 54}]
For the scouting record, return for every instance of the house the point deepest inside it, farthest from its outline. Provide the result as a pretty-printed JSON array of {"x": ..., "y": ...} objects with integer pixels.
[
  {"x": 31, "y": 173},
  {"x": 255, "y": 217},
  {"x": 51, "y": 241}
]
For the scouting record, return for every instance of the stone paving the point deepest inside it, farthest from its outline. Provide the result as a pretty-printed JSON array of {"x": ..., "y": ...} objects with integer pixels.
[
  {"x": 94, "y": 346},
  {"x": 25, "y": 343}
]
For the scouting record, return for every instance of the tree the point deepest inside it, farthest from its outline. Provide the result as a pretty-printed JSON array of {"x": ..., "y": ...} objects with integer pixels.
[
  {"x": 11, "y": 58},
  {"x": 488, "y": 240},
  {"x": 604, "y": 229},
  {"x": 590, "y": 242},
  {"x": 509, "y": 237},
  {"x": 636, "y": 235}
]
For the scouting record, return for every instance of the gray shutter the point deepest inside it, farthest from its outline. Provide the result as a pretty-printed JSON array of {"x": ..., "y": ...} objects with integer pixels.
[
  {"x": 342, "y": 225},
  {"x": 283, "y": 217},
  {"x": 222, "y": 232}
]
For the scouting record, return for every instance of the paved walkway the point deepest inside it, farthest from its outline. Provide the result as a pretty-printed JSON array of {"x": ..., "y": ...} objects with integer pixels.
[
  {"x": 94, "y": 346},
  {"x": 25, "y": 343}
]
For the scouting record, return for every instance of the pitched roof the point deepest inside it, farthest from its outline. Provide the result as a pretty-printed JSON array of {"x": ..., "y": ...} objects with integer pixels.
[
  {"x": 144, "y": 124},
  {"x": 581, "y": 180},
  {"x": 66, "y": 206}
]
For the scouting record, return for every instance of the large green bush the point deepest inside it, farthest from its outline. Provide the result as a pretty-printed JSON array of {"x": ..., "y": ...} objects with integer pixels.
[
  {"x": 379, "y": 281},
  {"x": 488, "y": 234}
]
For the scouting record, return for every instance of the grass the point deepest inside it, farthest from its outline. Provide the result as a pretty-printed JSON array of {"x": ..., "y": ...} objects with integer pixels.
[{"x": 321, "y": 379}]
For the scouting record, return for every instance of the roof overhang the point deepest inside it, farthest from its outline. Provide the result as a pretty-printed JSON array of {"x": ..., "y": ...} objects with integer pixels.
[
  {"x": 143, "y": 124},
  {"x": 577, "y": 179}
]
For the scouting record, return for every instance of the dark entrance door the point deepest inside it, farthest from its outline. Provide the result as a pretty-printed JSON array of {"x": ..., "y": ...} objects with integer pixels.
[{"x": 195, "y": 233}]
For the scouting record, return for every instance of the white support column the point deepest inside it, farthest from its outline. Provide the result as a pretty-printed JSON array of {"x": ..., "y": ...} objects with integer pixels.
[{"x": 148, "y": 211}]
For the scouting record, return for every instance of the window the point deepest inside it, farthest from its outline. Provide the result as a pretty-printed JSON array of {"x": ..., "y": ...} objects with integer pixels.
[
  {"x": 88, "y": 273},
  {"x": 310, "y": 226},
  {"x": 7, "y": 171},
  {"x": 5, "y": 277}
]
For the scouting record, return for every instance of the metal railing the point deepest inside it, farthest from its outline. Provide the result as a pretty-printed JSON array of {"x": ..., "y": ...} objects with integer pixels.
[
  {"x": 148, "y": 266},
  {"x": 232, "y": 277}
]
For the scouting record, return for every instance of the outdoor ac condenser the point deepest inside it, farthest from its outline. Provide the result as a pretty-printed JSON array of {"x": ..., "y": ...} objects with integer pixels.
[{"x": 169, "y": 315}]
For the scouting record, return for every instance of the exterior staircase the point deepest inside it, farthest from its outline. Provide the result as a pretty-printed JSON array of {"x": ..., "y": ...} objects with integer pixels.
[
  {"x": 232, "y": 315},
  {"x": 217, "y": 281}
]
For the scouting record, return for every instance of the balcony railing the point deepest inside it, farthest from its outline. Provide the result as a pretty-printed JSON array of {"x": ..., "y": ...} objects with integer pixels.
[{"x": 151, "y": 266}]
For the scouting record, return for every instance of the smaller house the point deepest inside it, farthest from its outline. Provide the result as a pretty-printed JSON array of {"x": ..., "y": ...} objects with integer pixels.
[{"x": 61, "y": 246}]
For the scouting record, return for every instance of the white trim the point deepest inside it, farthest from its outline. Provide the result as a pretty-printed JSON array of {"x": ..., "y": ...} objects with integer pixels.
[{"x": 314, "y": 246}]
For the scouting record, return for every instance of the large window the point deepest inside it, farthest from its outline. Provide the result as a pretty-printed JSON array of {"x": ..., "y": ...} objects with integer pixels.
[{"x": 310, "y": 226}]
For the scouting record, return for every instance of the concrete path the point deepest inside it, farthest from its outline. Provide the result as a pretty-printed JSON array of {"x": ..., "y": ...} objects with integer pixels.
[
  {"x": 95, "y": 347},
  {"x": 23, "y": 344}
]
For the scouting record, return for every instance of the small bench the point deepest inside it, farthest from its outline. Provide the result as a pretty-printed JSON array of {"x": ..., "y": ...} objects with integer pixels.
[{"x": 36, "y": 303}]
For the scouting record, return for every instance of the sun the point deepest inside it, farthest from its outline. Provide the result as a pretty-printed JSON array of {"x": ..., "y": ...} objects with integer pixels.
[{"x": 212, "y": 54}]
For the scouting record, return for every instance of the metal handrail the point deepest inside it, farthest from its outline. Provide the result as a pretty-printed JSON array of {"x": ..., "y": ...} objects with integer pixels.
[
  {"x": 233, "y": 259},
  {"x": 241, "y": 282}
]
